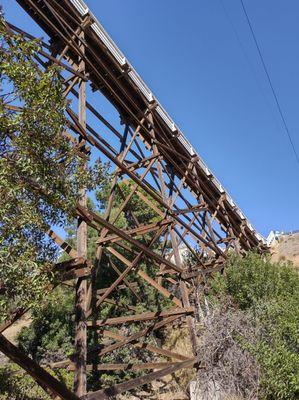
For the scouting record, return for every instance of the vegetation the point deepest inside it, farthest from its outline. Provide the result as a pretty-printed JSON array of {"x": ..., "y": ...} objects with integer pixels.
[
  {"x": 268, "y": 296},
  {"x": 40, "y": 171},
  {"x": 249, "y": 335}
]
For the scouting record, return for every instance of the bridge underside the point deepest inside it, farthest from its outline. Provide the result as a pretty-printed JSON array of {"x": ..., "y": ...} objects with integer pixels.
[{"x": 193, "y": 223}]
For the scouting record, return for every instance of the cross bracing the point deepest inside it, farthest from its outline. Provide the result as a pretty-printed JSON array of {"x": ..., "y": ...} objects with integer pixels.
[{"x": 151, "y": 160}]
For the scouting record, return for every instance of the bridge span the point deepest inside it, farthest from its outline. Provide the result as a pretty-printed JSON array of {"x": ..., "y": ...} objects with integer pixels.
[{"x": 154, "y": 165}]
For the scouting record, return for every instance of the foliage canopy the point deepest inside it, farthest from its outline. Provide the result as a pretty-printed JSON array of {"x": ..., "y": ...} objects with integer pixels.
[
  {"x": 269, "y": 292},
  {"x": 41, "y": 172}
]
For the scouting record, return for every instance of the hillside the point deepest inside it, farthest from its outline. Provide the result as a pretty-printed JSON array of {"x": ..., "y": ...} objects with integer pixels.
[{"x": 286, "y": 248}]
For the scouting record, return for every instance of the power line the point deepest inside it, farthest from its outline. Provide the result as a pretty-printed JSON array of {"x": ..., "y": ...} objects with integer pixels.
[
  {"x": 270, "y": 83},
  {"x": 249, "y": 63}
]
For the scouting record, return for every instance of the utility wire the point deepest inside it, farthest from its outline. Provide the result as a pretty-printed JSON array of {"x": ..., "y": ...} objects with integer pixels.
[
  {"x": 270, "y": 83},
  {"x": 249, "y": 63}
]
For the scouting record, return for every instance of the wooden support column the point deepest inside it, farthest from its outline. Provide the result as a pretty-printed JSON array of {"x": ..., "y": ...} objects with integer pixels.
[
  {"x": 184, "y": 294},
  {"x": 81, "y": 284}
]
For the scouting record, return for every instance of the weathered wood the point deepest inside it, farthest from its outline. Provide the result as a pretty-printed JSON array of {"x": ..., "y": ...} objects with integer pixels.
[
  {"x": 126, "y": 367},
  {"x": 139, "y": 317},
  {"x": 72, "y": 269},
  {"x": 135, "y": 336},
  {"x": 63, "y": 244},
  {"x": 70, "y": 264},
  {"x": 80, "y": 380},
  {"x": 147, "y": 346},
  {"x": 141, "y": 230},
  {"x": 148, "y": 279},
  {"x": 76, "y": 273},
  {"x": 41, "y": 376},
  {"x": 123, "y": 387},
  {"x": 90, "y": 216}
]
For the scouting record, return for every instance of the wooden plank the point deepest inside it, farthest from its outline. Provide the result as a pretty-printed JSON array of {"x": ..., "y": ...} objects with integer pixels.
[
  {"x": 147, "y": 346},
  {"x": 90, "y": 216},
  {"x": 143, "y": 275},
  {"x": 135, "y": 336},
  {"x": 106, "y": 394},
  {"x": 42, "y": 377},
  {"x": 127, "y": 283},
  {"x": 63, "y": 244},
  {"x": 75, "y": 274},
  {"x": 126, "y": 367},
  {"x": 70, "y": 264},
  {"x": 160, "y": 288},
  {"x": 140, "y": 230},
  {"x": 139, "y": 317}
]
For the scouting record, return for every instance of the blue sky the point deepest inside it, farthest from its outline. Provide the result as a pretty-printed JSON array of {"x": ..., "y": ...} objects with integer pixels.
[{"x": 201, "y": 63}]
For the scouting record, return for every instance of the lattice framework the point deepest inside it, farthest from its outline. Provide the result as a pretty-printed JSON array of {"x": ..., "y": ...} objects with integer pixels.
[{"x": 152, "y": 159}]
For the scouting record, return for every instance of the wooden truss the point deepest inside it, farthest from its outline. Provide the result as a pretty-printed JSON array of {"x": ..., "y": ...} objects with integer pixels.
[{"x": 190, "y": 214}]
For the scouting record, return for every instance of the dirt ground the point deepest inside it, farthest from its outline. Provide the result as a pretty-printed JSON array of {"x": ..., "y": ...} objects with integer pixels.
[
  {"x": 11, "y": 333},
  {"x": 287, "y": 248}
]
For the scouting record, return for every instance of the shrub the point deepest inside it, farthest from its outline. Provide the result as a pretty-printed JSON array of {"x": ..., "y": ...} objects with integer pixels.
[
  {"x": 270, "y": 293},
  {"x": 253, "y": 278},
  {"x": 49, "y": 336},
  {"x": 16, "y": 385}
]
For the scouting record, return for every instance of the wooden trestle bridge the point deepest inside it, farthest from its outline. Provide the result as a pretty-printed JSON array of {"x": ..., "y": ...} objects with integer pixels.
[{"x": 153, "y": 157}]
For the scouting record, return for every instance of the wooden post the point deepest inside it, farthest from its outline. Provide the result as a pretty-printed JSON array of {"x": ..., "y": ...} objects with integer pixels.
[
  {"x": 81, "y": 284},
  {"x": 184, "y": 294}
]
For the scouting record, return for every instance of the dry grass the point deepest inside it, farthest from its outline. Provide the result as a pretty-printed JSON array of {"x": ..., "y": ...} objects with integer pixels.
[
  {"x": 287, "y": 249},
  {"x": 12, "y": 332},
  {"x": 228, "y": 370}
]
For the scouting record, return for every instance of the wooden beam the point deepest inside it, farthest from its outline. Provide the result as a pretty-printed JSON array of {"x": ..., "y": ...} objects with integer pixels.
[
  {"x": 126, "y": 282},
  {"x": 147, "y": 278},
  {"x": 160, "y": 288},
  {"x": 62, "y": 244},
  {"x": 119, "y": 287},
  {"x": 147, "y": 346},
  {"x": 139, "y": 317},
  {"x": 14, "y": 316},
  {"x": 135, "y": 336},
  {"x": 106, "y": 394},
  {"x": 140, "y": 230},
  {"x": 126, "y": 367},
  {"x": 126, "y": 272},
  {"x": 41, "y": 376},
  {"x": 90, "y": 216}
]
